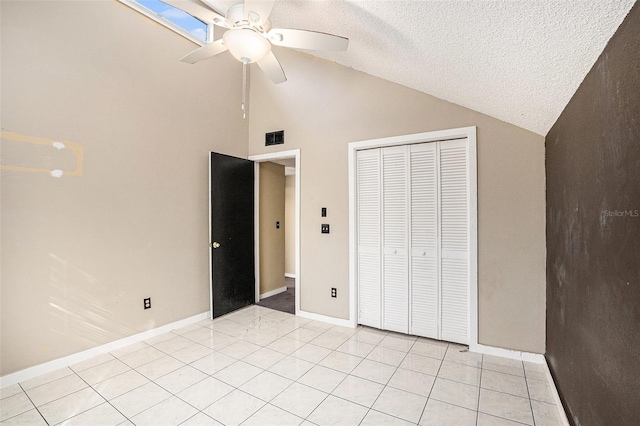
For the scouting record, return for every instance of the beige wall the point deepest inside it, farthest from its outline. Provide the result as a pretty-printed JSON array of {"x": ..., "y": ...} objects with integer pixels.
[
  {"x": 271, "y": 238},
  {"x": 322, "y": 107},
  {"x": 290, "y": 228},
  {"x": 80, "y": 253}
]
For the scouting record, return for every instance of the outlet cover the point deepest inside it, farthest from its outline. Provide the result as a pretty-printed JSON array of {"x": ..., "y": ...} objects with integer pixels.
[{"x": 147, "y": 303}]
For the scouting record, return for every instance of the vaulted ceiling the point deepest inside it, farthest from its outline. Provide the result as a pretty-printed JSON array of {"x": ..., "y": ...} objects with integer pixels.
[{"x": 518, "y": 61}]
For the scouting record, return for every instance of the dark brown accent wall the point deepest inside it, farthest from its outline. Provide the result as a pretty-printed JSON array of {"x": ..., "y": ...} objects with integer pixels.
[{"x": 593, "y": 239}]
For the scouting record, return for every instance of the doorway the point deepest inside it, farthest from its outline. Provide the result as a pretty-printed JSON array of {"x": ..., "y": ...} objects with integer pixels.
[
  {"x": 282, "y": 296},
  {"x": 274, "y": 252}
]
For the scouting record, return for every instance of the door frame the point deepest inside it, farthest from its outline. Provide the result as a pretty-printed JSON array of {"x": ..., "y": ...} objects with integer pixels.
[
  {"x": 441, "y": 135},
  {"x": 257, "y": 159}
]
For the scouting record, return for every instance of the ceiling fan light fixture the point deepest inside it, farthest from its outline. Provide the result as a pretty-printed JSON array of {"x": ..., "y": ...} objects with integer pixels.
[{"x": 246, "y": 45}]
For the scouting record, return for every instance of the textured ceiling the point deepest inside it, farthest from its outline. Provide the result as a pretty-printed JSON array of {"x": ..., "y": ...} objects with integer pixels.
[{"x": 518, "y": 61}]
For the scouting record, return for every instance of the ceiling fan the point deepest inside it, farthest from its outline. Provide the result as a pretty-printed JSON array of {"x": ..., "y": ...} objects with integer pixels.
[{"x": 250, "y": 36}]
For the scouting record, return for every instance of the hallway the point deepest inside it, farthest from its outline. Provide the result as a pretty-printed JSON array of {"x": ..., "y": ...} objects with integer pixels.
[{"x": 285, "y": 301}]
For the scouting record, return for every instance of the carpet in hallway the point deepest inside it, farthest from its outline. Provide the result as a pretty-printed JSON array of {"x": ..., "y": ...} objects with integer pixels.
[{"x": 285, "y": 301}]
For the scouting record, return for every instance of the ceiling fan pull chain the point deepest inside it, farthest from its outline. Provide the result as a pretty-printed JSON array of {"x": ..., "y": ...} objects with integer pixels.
[{"x": 244, "y": 88}]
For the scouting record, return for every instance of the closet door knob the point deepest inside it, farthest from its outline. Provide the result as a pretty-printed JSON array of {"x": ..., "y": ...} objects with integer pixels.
[{"x": 395, "y": 251}]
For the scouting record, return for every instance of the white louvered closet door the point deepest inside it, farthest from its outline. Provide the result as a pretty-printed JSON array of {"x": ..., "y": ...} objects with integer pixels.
[
  {"x": 454, "y": 241},
  {"x": 368, "y": 207},
  {"x": 424, "y": 318},
  {"x": 395, "y": 273},
  {"x": 413, "y": 239}
]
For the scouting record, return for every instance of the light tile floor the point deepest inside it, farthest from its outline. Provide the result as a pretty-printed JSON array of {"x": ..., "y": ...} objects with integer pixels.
[{"x": 262, "y": 367}]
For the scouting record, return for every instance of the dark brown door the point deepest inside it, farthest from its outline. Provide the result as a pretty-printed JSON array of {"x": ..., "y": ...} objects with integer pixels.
[{"x": 232, "y": 234}]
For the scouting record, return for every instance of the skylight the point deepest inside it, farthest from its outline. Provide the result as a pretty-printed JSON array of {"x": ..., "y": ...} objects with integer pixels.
[{"x": 172, "y": 18}]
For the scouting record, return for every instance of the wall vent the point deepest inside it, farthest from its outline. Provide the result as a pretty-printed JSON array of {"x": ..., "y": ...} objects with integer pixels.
[{"x": 274, "y": 138}]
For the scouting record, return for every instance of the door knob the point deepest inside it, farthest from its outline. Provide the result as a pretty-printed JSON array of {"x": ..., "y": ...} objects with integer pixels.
[{"x": 215, "y": 244}]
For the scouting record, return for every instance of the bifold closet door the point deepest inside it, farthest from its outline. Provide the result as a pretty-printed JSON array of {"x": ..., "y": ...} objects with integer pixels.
[
  {"x": 424, "y": 317},
  {"x": 454, "y": 241},
  {"x": 413, "y": 239},
  {"x": 368, "y": 225},
  {"x": 395, "y": 241}
]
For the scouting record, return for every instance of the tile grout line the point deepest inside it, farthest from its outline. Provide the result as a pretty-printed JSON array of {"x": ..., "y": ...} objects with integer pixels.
[
  {"x": 318, "y": 364},
  {"x": 264, "y": 370},
  {"x": 432, "y": 385},
  {"x": 506, "y": 393},
  {"x": 34, "y": 405},
  {"x": 80, "y": 390},
  {"x": 526, "y": 382},
  {"x": 479, "y": 390},
  {"x": 208, "y": 375},
  {"x": 434, "y": 382},
  {"x": 394, "y": 372},
  {"x": 73, "y": 373},
  {"x": 130, "y": 368},
  {"x": 106, "y": 400},
  {"x": 149, "y": 379},
  {"x": 345, "y": 378},
  {"x": 297, "y": 380},
  {"x": 462, "y": 383}
]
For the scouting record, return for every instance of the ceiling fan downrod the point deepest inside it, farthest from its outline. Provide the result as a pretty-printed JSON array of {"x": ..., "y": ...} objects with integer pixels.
[{"x": 244, "y": 88}]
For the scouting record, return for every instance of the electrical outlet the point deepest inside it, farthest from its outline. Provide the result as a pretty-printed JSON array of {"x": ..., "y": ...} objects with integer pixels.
[
  {"x": 334, "y": 292},
  {"x": 147, "y": 303}
]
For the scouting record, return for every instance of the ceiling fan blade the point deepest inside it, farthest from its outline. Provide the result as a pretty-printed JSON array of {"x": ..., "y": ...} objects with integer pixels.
[
  {"x": 257, "y": 11},
  {"x": 204, "y": 52},
  {"x": 272, "y": 68},
  {"x": 303, "y": 39},
  {"x": 202, "y": 13}
]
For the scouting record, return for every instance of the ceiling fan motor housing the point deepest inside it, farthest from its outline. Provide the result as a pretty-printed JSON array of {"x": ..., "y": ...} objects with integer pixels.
[{"x": 235, "y": 15}]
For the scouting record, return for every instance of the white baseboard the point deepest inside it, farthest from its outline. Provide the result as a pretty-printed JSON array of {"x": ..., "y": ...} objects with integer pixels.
[
  {"x": 324, "y": 318},
  {"x": 556, "y": 395},
  {"x": 288, "y": 275},
  {"x": 56, "y": 364},
  {"x": 273, "y": 292},
  {"x": 507, "y": 353}
]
